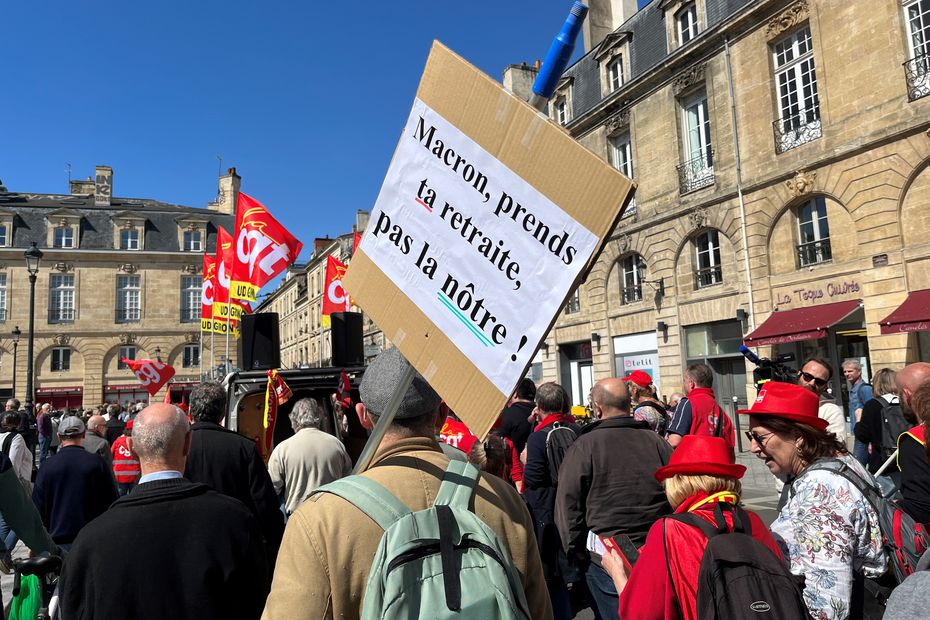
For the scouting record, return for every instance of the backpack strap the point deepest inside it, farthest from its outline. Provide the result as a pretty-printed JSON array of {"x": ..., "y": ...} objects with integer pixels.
[
  {"x": 741, "y": 522},
  {"x": 458, "y": 485},
  {"x": 370, "y": 497},
  {"x": 8, "y": 442}
]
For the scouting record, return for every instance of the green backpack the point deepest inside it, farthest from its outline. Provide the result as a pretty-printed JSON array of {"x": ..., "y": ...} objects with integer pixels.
[{"x": 441, "y": 562}]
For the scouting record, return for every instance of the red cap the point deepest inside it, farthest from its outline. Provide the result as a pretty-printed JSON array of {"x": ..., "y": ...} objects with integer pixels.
[
  {"x": 639, "y": 377},
  {"x": 129, "y": 425},
  {"x": 787, "y": 401},
  {"x": 701, "y": 455}
]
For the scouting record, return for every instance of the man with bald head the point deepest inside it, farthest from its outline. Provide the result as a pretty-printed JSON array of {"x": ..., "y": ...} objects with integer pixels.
[
  {"x": 912, "y": 458},
  {"x": 606, "y": 486},
  {"x": 181, "y": 549},
  {"x": 95, "y": 440}
]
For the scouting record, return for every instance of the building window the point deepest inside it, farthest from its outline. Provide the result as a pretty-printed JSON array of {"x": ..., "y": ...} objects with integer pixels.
[
  {"x": 192, "y": 241},
  {"x": 3, "y": 235},
  {"x": 687, "y": 22},
  {"x": 813, "y": 233},
  {"x": 798, "y": 102},
  {"x": 634, "y": 271},
  {"x": 615, "y": 73},
  {"x": 61, "y": 298},
  {"x": 917, "y": 69},
  {"x": 129, "y": 239},
  {"x": 128, "y": 299},
  {"x": 707, "y": 254},
  {"x": 127, "y": 352},
  {"x": 621, "y": 156},
  {"x": 61, "y": 359},
  {"x": 574, "y": 303},
  {"x": 561, "y": 111},
  {"x": 191, "y": 356},
  {"x": 2, "y": 297},
  {"x": 697, "y": 169},
  {"x": 190, "y": 299},
  {"x": 64, "y": 237}
]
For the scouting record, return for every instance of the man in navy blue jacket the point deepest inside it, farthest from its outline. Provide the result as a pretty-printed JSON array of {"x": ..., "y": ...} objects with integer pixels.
[{"x": 74, "y": 487}]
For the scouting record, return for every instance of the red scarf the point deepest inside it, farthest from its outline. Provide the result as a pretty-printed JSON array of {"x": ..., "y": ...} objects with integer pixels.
[{"x": 552, "y": 418}]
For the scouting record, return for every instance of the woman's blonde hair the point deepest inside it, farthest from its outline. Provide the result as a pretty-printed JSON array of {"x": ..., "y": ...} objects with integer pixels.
[{"x": 680, "y": 487}]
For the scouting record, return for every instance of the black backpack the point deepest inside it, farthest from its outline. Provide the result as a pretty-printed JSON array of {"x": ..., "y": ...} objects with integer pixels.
[
  {"x": 893, "y": 424},
  {"x": 558, "y": 440},
  {"x": 740, "y": 577}
]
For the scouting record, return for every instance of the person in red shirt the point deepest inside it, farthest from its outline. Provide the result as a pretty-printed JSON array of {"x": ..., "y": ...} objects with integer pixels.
[
  {"x": 663, "y": 583},
  {"x": 125, "y": 462}
]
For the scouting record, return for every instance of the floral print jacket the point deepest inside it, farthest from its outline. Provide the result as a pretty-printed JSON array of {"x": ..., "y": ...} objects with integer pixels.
[{"x": 828, "y": 530}]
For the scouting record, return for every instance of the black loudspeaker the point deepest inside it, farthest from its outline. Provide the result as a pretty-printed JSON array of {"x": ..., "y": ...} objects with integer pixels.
[
  {"x": 259, "y": 345},
  {"x": 347, "y": 339}
]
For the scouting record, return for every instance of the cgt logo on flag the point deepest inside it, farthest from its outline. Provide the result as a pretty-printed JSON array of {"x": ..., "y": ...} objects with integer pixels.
[{"x": 151, "y": 374}]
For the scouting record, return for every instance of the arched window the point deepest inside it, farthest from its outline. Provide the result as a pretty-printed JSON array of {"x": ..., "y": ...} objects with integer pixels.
[
  {"x": 708, "y": 270},
  {"x": 631, "y": 283},
  {"x": 813, "y": 233}
]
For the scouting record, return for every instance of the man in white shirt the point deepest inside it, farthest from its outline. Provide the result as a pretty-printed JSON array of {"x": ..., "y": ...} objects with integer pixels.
[
  {"x": 309, "y": 459},
  {"x": 815, "y": 375},
  {"x": 14, "y": 446}
]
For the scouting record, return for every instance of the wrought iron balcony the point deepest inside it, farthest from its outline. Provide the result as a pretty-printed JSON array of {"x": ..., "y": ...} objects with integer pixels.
[
  {"x": 632, "y": 294},
  {"x": 917, "y": 72},
  {"x": 814, "y": 253},
  {"x": 709, "y": 276},
  {"x": 797, "y": 129},
  {"x": 696, "y": 173}
]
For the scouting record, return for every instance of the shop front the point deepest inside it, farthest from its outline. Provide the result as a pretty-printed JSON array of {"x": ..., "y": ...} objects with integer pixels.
[
  {"x": 61, "y": 398},
  {"x": 717, "y": 345},
  {"x": 577, "y": 370},
  {"x": 638, "y": 352},
  {"x": 124, "y": 394}
]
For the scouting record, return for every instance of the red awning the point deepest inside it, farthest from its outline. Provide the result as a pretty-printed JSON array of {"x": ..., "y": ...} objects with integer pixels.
[
  {"x": 911, "y": 316},
  {"x": 801, "y": 324}
]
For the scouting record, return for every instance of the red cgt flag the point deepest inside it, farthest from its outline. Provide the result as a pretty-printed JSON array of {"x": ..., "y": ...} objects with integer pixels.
[
  {"x": 356, "y": 239},
  {"x": 344, "y": 386},
  {"x": 207, "y": 291},
  {"x": 277, "y": 393},
  {"x": 335, "y": 297},
  {"x": 263, "y": 249},
  {"x": 152, "y": 374}
]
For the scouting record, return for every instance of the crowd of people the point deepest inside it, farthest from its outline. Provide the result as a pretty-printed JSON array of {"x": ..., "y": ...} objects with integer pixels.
[{"x": 616, "y": 512}]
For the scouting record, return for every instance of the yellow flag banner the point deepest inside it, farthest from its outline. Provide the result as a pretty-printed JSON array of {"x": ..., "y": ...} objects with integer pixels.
[
  {"x": 222, "y": 311},
  {"x": 218, "y": 326},
  {"x": 243, "y": 290}
]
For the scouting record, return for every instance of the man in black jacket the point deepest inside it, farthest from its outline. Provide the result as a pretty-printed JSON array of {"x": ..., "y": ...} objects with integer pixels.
[
  {"x": 229, "y": 463},
  {"x": 74, "y": 486},
  {"x": 180, "y": 549},
  {"x": 606, "y": 486},
  {"x": 515, "y": 422}
]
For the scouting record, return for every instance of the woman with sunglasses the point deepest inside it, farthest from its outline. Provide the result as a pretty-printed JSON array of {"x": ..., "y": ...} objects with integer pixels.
[
  {"x": 663, "y": 583},
  {"x": 826, "y": 528}
]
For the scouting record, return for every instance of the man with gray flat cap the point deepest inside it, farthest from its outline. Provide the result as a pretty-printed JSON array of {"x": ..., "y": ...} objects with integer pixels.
[
  {"x": 329, "y": 544},
  {"x": 74, "y": 487}
]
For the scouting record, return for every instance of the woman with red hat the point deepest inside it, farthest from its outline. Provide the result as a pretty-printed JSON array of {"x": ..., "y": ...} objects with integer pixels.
[
  {"x": 826, "y": 527},
  {"x": 663, "y": 582}
]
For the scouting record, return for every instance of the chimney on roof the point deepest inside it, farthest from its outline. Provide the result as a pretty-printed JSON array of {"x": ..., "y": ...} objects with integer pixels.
[
  {"x": 229, "y": 193},
  {"x": 605, "y": 16},
  {"x": 320, "y": 244},
  {"x": 519, "y": 79},
  {"x": 361, "y": 220},
  {"x": 103, "y": 186},
  {"x": 82, "y": 187}
]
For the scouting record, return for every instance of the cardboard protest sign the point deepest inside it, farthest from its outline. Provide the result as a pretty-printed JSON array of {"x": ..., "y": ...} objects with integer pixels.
[{"x": 488, "y": 216}]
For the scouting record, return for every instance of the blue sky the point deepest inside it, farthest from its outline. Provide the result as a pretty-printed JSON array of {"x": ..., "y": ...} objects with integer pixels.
[{"x": 307, "y": 105}]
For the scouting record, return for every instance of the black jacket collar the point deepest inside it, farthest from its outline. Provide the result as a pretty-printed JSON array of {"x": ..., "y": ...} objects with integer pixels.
[{"x": 623, "y": 421}]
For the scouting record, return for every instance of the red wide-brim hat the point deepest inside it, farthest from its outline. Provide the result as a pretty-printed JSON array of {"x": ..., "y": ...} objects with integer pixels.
[
  {"x": 701, "y": 455},
  {"x": 789, "y": 402}
]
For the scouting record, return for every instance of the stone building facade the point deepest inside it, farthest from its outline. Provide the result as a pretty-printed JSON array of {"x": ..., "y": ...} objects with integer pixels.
[
  {"x": 119, "y": 277},
  {"x": 781, "y": 153}
]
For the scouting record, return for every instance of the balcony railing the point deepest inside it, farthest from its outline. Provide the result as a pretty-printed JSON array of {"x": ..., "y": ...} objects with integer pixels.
[
  {"x": 696, "y": 173},
  {"x": 708, "y": 276},
  {"x": 632, "y": 294},
  {"x": 190, "y": 315},
  {"x": 797, "y": 129},
  {"x": 61, "y": 315},
  {"x": 917, "y": 72},
  {"x": 814, "y": 253}
]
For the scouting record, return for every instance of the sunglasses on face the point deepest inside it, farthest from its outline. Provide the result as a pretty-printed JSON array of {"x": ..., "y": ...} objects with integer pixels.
[
  {"x": 756, "y": 437},
  {"x": 812, "y": 379}
]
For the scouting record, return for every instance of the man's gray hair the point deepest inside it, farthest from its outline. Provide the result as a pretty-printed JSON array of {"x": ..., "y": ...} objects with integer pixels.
[
  {"x": 14, "y": 403},
  {"x": 306, "y": 413},
  {"x": 154, "y": 442},
  {"x": 854, "y": 363}
]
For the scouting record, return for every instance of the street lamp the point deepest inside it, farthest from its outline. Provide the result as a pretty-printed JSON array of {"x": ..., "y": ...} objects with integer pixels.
[
  {"x": 33, "y": 256},
  {"x": 157, "y": 354},
  {"x": 16, "y": 334}
]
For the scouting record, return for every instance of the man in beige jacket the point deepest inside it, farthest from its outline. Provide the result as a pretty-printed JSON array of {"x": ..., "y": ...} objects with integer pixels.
[{"x": 328, "y": 546}]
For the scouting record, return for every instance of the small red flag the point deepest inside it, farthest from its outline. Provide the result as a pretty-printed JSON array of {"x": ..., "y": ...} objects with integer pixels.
[
  {"x": 355, "y": 241},
  {"x": 152, "y": 374},
  {"x": 276, "y": 393},
  {"x": 168, "y": 395},
  {"x": 344, "y": 386}
]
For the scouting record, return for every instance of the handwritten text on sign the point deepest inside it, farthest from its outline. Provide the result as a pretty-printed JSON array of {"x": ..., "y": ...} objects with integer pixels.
[{"x": 484, "y": 255}]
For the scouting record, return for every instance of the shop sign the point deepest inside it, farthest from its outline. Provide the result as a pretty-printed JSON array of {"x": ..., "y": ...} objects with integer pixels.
[
  {"x": 60, "y": 390},
  {"x": 817, "y": 292}
]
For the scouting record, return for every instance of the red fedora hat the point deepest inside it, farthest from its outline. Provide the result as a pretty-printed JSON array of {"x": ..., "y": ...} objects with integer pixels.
[
  {"x": 787, "y": 401},
  {"x": 701, "y": 455}
]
